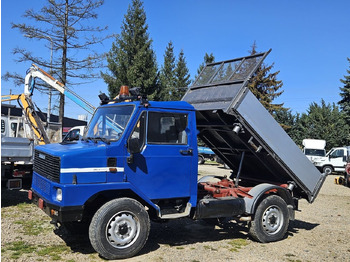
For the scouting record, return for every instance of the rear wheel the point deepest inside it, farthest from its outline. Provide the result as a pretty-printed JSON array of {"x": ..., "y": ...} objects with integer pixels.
[
  {"x": 270, "y": 221},
  {"x": 119, "y": 229}
]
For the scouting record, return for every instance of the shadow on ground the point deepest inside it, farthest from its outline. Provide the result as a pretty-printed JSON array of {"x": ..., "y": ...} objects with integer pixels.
[
  {"x": 13, "y": 197},
  {"x": 180, "y": 232}
]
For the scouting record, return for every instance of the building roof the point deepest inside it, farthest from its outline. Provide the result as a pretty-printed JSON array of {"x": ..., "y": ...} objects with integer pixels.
[{"x": 16, "y": 111}]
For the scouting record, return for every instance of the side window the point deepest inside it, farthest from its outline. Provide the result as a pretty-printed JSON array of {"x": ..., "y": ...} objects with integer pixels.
[
  {"x": 338, "y": 153},
  {"x": 166, "y": 128},
  {"x": 137, "y": 138},
  {"x": 14, "y": 129}
]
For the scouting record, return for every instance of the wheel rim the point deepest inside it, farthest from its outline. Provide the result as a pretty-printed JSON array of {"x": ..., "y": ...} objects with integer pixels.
[
  {"x": 123, "y": 230},
  {"x": 327, "y": 170},
  {"x": 272, "y": 220}
]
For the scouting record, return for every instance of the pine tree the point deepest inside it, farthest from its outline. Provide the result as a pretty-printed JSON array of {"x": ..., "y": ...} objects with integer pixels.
[
  {"x": 182, "y": 77},
  {"x": 325, "y": 122},
  {"x": 344, "y": 103},
  {"x": 167, "y": 75},
  {"x": 207, "y": 60},
  {"x": 67, "y": 25},
  {"x": 131, "y": 60},
  {"x": 265, "y": 86}
]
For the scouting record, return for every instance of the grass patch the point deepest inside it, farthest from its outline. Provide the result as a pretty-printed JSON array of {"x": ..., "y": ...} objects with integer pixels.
[
  {"x": 210, "y": 248},
  {"x": 16, "y": 211},
  {"x": 34, "y": 227},
  {"x": 20, "y": 248},
  {"x": 54, "y": 251},
  {"x": 237, "y": 244}
]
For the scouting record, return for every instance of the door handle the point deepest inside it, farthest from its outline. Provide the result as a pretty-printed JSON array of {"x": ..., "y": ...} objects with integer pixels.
[{"x": 187, "y": 152}]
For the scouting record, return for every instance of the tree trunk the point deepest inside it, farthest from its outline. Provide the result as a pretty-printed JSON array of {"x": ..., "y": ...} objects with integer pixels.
[{"x": 64, "y": 64}]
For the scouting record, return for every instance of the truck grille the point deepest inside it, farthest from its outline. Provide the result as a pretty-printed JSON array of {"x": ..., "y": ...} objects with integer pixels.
[{"x": 47, "y": 166}]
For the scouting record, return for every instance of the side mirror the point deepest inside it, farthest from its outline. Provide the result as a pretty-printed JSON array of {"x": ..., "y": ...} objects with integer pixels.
[
  {"x": 74, "y": 137},
  {"x": 134, "y": 146}
]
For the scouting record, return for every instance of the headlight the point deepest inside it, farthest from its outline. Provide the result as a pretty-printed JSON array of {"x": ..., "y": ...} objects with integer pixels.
[{"x": 59, "y": 194}]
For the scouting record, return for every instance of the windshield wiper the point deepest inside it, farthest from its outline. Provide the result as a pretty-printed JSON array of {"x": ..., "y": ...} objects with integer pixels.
[
  {"x": 89, "y": 138},
  {"x": 103, "y": 139}
]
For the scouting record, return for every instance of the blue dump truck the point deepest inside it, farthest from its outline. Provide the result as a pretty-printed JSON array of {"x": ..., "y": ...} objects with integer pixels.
[{"x": 138, "y": 161}]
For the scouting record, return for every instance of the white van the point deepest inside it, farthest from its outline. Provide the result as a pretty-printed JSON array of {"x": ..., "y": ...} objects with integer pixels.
[{"x": 334, "y": 161}]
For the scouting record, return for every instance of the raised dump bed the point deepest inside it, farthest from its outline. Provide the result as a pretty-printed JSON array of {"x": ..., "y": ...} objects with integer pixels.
[{"x": 235, "y": 125}]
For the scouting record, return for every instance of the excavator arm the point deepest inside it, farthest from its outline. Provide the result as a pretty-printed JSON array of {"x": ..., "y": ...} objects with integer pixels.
[
  {"x": 27, "y": 105},
  {"x": 31, "y": 115}
]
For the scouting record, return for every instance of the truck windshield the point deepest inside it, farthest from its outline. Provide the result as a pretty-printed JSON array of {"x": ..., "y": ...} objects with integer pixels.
[{"x": 108, "y": 123}]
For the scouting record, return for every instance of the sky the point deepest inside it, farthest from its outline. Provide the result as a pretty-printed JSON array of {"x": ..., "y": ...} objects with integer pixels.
[{"x": 310, "y": 41}]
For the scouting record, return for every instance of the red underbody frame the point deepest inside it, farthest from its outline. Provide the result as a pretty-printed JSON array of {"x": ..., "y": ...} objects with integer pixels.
[{"x": 225, "y": 188}]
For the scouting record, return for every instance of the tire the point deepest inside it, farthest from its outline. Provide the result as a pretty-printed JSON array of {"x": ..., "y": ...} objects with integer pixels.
[
  {"x": 270, "y": 221},
  {"x": 347, "y": 180},
  {"x": 119, "y": 229},
  {"x": 201, "y": 160},
  {"x": 327, "y": 170}
]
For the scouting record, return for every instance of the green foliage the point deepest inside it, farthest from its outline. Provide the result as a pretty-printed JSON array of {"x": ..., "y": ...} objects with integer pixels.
[
  {"x": 166, "y": 76},
  {"x": 323, "y": 121},
  {"x": 344, "y": 103},
  {"x": 132, "y": 61},
  {"x": 207, "y": 60},
  {"x": 265, "y": 86},
  {"x": 182, "y": 77},
  {"x": 174, "y": 79}
]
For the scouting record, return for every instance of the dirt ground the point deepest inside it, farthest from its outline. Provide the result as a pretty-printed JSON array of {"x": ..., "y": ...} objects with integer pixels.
[{"x": 321, "y": 232}]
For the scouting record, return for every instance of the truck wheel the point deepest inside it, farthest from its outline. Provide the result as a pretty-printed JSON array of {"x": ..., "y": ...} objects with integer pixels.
[
  {"x": 327, "y": 170},
  {"x": 270, "y": 221},
  {"x": 201, "y": 160},
  {"x": 119, "y": 229}
]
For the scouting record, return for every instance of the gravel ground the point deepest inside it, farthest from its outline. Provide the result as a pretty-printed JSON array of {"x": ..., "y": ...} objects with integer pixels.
[{"x": 321, "y": 232}]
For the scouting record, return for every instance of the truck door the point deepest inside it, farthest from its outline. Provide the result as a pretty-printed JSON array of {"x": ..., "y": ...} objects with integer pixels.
[
  {"x": 337, "y": 159},
  {"x": 161, "y": 167}
]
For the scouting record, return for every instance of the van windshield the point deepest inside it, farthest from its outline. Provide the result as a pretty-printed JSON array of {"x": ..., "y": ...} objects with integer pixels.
[
  {"x": 108, "y": 123},
  {"x": 315, "y": 152}
]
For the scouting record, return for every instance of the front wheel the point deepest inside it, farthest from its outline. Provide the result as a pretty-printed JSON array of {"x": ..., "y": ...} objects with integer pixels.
[
  {"x": 119, "y": 229},
  {"x": 201, "y": 160},
  {"x": 327, "y": 170},
  {"x": 270, "y": 221}
]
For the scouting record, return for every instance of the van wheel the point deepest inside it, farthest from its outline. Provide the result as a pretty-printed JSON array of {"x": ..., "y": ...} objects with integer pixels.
[
  {"x": 201, "y": 160},
  {"x": 270, "y": 221},
  {"x": 327, "y": 170},
  {"x": 119, "y": 229}
]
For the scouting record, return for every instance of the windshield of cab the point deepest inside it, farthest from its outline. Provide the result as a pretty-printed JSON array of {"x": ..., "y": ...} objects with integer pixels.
[{"x": 108, "y": 123}]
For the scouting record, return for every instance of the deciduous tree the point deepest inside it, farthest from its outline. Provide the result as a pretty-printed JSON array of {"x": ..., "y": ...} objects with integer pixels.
[{"x": 67, "y": 26}]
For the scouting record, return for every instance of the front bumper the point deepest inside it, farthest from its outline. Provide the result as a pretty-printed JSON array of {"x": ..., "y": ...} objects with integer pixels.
[{"x": 57, "y": 213}]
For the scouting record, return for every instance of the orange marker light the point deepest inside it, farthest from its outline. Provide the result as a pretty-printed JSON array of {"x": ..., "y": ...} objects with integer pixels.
[{"x": 124, "y": 91}]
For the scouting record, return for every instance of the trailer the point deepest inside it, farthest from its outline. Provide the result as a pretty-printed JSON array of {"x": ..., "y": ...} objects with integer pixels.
[{"x": 138, "y": 161}]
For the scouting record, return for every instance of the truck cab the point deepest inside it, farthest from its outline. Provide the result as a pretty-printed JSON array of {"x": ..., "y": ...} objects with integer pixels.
[{"x": 144, "y": 150}]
